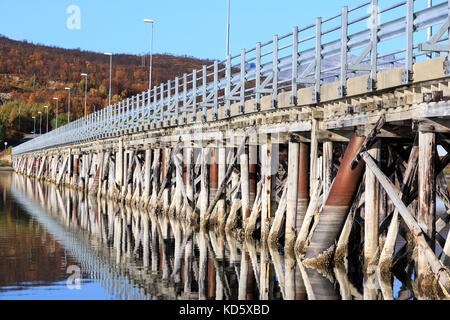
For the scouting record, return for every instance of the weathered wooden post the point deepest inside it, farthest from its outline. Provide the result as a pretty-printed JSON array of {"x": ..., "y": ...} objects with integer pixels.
[
  {"x": 426, "y": 216},
  {"x": 204, "y": 182},
  {"x": 147, "y": 175},
  {"x": 269, "y": 170},
  {"x": 178, "y": 197},
  {"x": 138, "y": 181},
  {"x": 166, "y": 192},
  {"x": 189, "y": 176},
  {"x": 157, "y": 164},
  {"x": 314, "y": 168},
  {"x": 131, "y": 162},
  {"x": 252, "y": 168},
  {"x": 245, "y": 187},
  {"x": 327, "y": 167},
  {"x": 303, "y": 185},
  {"x": 292, "y": 191},
  {"x": 372, "y": 204},
  {"x": 69, "y": 167},
  {"x": 75, "y": 178},
  {"x": 120, "y": 165},
  {"x": 112, "y": 178},
  {"x": 221, "y": 212},
  {"x": 213, "y": 173}
]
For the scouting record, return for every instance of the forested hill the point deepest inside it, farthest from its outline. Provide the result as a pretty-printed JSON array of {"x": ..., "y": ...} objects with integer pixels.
[{"x": 31, "y": 75}]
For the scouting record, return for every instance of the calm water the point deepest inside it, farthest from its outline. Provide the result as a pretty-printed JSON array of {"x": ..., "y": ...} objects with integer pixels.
[{"x": 48, "y": 234}]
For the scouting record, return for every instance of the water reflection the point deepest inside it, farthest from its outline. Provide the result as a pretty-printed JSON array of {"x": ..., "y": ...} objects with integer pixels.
[{"x": 134, "y": 254}]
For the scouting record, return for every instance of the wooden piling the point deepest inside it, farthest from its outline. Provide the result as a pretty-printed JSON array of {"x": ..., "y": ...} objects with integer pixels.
[
  {"x": 147, "y": 177},
  {"x": 426, "y": 217},
  {"x": 327, "y": 167},
  {"x": 371, "y": 219},
  {"x": 245, "y": 186},
  {"x": 213, "y": 172},
  {"x": 166, "y": 175},
  {"x": 252, "y": 169},
  {"x": 303, "y": 185},
  {"x": 269, "y": 169},
  {"x": 155, "y": 177},
  {"x": 441, "y": 273},
  {"x": 120, "y": 165},
  {"x": 189, "y": 177},
  {"x": 314, "y": 163},
  {"x": 292, "y": 193},
  {"x": 204, "y": 187}
]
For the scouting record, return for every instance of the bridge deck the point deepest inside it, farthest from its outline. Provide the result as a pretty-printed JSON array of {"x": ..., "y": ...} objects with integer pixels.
[{"x": 336, "y": 66}]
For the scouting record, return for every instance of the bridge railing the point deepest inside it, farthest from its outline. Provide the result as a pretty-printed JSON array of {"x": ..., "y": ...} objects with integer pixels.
[{"x": 365, "y": 39}]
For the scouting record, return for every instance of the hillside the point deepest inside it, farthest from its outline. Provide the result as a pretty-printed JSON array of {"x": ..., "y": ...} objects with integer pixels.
[{"x": 31, "y": 75}]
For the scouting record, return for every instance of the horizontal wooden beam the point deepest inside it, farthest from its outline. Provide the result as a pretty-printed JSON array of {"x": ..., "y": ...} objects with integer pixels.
[{"x": 438, "y": 125}]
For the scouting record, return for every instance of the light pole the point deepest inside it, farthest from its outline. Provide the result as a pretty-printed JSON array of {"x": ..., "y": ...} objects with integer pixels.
[
  {"x": 110, "y": 74},
  {"x": 34, "y": 126},
  {"x": 228, "y": 30},
  {"x": 46, "y": 107},
  {"x": 6, "y": 143},
  {"x": 85, "y": 92},
  {"x": 151, "y": 54},
  {"x": 429, "y": 30},
  {"x": 56, "y": 112},
  {"x": 40, "y": 123},
  {"x": 68, "y": 109}
]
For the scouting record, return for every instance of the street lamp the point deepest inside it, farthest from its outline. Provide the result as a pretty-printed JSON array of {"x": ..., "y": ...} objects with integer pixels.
[
  {"x": 46, "y": 107},
  {"x": 6, "y": 143},
  {"x": 56, "y": 112},
  {"x": 110, "y": 74},
  {"x": 40, "y": 123},
  {"x": 228, "y": 30},
  {"x": 151, "y": 53},
  {"x": 34, "y": 126},
  {"x": 85, "y": 92},
  {"x": 68, "y": 115}
]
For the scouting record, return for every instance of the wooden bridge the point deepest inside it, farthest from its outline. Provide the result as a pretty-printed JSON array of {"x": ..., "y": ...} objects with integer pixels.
[{"x": 278, "y": 144}]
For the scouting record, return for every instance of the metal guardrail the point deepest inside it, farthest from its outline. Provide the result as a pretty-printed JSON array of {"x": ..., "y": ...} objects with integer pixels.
[{"x": 360, "y": 40}]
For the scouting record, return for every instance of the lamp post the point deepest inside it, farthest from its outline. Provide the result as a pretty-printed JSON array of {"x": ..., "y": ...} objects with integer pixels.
[
  {"x": 6, "y": 143},
  {"x": 429, "y": 30},
  {"x": 151, "y": 53},
  {"x": 228, "y": 30},
  {"x": 85, "y": 92},
  {"x": 110, "y": 74},
  {"x": 46, "y": 107},
  {"x": 68, "y": 114},
  {"x": 34, "y": 127},
  {"x": 40, "y": 123},
  {"x": 56, "y": 112}
]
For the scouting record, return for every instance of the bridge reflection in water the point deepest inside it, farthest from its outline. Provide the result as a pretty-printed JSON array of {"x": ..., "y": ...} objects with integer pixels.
[{"x": 137, "y": 255}]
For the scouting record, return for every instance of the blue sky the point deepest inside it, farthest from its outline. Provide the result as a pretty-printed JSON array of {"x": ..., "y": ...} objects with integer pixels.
[{"x": 195, "y": 27}]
